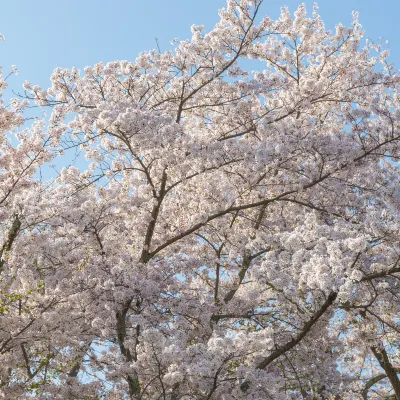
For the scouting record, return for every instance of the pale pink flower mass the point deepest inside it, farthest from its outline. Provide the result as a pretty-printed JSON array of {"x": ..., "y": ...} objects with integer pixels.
[{"x": 212, "y": 232}]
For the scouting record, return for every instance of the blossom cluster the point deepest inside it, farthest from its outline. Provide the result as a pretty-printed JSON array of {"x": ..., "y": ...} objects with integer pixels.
[{"x": 222, "y": 234}]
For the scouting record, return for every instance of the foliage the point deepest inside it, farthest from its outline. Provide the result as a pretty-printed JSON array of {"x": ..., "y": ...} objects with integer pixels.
[{"x": 234, "y": 234}]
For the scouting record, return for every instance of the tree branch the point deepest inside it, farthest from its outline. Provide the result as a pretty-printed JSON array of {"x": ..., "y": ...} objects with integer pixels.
[{"x": 292, "y": 343}]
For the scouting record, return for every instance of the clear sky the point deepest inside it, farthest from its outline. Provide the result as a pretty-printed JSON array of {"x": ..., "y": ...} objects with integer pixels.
[{"x": 42, "y": 35}]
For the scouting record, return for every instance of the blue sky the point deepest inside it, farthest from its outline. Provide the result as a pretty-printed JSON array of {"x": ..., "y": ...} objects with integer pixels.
[{"x": 42, "y": 35}]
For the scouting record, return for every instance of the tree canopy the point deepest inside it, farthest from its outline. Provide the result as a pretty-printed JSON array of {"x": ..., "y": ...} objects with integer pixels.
[{"x": 215, "y": 232}]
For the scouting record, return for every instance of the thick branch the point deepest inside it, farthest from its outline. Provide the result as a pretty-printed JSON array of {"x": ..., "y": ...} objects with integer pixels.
[
  {"x": 382, "y": 274},
  {"x": 303, "y": 332},
  {"x": 133, "y": 381},
  {"x": 247, "y": 259},
  {"x": 296, "y": 340},
  {"x": 371, "y": 382},
  {"x": 391, "y": 372},
  {"x": 146, "y": 256},
  {"x": 12, "y": 234}
]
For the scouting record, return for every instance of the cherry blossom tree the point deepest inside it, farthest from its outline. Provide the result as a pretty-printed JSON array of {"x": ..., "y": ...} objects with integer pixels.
[{"x": 233, "y": 234}]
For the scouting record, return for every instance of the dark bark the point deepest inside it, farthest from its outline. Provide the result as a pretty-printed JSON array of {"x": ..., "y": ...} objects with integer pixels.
[
  {"x": 391, "y": 372},
  {"x": 296, "y": 340}
]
